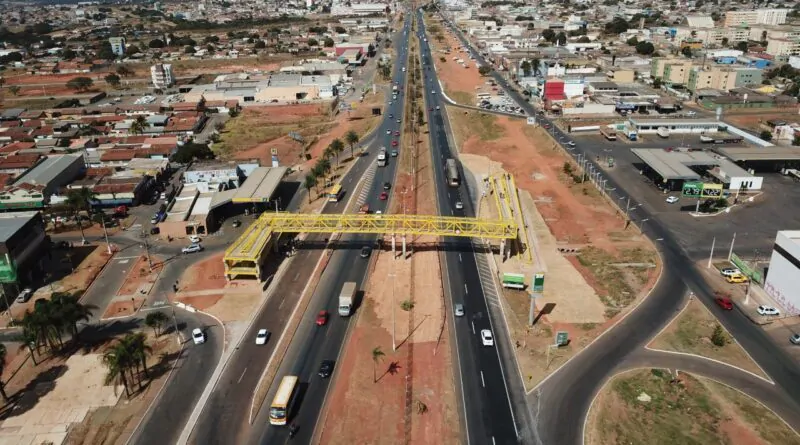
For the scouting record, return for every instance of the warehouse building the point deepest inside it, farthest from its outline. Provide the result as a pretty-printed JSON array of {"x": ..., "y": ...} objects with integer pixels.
[{"x": 783, "y": 275}]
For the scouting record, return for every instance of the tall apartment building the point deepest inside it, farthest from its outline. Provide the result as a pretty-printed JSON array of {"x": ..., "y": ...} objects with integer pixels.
[
  {"x": 783, "y": 47},
  {"x": 117, "y": 45},
  {"x": 162, "y": 76},
  {"x": 755, "y": 17},
  {"x": 722, "y": 78},
  {"x": 671, "y": 70}
]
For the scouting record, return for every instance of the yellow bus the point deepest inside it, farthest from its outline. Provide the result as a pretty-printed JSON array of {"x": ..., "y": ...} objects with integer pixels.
[
  {"x": 282, "y": 403},
  {"x": 336, "y": 193}
]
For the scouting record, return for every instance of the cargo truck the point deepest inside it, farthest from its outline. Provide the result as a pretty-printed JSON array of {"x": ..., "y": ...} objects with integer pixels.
[
  {"x": 346, "y": 297},
  {"x": 382, "y": 157}
]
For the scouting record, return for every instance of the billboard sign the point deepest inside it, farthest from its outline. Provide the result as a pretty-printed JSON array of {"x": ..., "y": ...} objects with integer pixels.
[
  {"x": 531, "y": 120},
  {"x": 692, "y": 189},
  {"x": 712, "y": 190},
  {"x": 538, "y": 283}
]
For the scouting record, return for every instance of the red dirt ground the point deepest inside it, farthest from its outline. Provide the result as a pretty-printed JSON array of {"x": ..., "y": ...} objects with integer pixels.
[
  {"x": 207, "y": 274},
  {"x": 139, "y": 275},
  {"x": 29, "y": 79},
  {"x": 454, "y": 76},
  {"x": 123, "y": 308},
  {"x": 201, "y": 302}
]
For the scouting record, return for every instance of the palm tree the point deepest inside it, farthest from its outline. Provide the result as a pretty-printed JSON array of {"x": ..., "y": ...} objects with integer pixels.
[
  {"x": 38, "y": 327},
  {"x": 117, "y": 362},
  {"x": 337, "y": 146},
  {"x": 71, "y": 311},
  {"x": 536, "y": 66},
  {"x": 77, "y": 200},
  {"x": 156, "y": 320},
  {"x": 139, "y": 125},
  {"x": 310, "y": 181},
  {"x": 323, "y": 167},
  {"x": 377, "y": 355},
  {"x": 2, "y": 368},
  {"x": 139, "y": 350},
  {"x": 352, "y": 138}
]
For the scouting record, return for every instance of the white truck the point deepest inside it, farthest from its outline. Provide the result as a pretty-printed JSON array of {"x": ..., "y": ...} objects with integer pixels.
[
  {"x": 382, "y": 157},
  {"x": 346, "y": 297},
  {"x": 394, "y": 89},
  {"x": 663, "y": 132}
]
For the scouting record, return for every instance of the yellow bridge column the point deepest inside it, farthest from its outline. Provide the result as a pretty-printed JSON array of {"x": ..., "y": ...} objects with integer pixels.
[{"x": 404, "y": 247}]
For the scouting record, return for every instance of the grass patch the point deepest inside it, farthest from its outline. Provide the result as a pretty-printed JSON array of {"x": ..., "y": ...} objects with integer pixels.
[
  {"x": 619, "y": 292},
  {"x": 473, "y": 123},
  {"x": 252, "y": 127},
  {"x": 462, "y": 97},
  {"x": 691, "y": 332}
]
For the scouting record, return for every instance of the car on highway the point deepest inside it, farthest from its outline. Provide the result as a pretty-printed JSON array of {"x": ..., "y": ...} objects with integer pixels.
[
  {"x": 389, "y": 132},
  {"x": 459, "y": 205},
  {"x": 459, "y": 310},
  {"x": 366, "y": 251},
  {"x": 546, "y": 126},
  {"x": 767, "y": 310},
  {"x": 672, "y": 199},
  {"x": 397, "y": 133},
  {"x": 390, "y": 102},
  {"x": 322, "y": 318},
  {"x": 571, "y": 144},
  {"x": 737, "y": 279},
  {"x": 24, "y": 296},
  {"x": 730, "y": 271},
  {"x": 236, "y": 223},
  {"x": 724, "y": 303},
  {"x": 391, "y": 116},
  {"x": 262, "y": 336},
  {"x": 438, "y": 107},
  {"x": 394, "y": 143},
  {"x": 198, "y": 336},
  {"x": 795, "y": 339},
  {"x": 194, "y": 239},
  {"x": 398, "y": 121},
  {"x": 486, "y": 337},
  {"x": 387, "y": 185},
  {"x": 394, "y": 153},
  {"x": 433, "y": 92},
  {"x": 326, "y": 368},
  {"x": 383, "y": 196},
  {"x": 192, "y": 249}
]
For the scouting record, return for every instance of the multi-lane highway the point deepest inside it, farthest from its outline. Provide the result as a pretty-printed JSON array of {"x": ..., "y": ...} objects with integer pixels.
[
  {"x": 312, "y": 344},
  {"x": 488, "y": 410},
  {"x": 565, "y": 398}
]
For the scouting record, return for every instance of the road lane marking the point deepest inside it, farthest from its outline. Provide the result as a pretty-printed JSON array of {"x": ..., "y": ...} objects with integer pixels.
[
  {"x": 466, "y": 291},
  {"x": 282, "y": 301},
  {"x": 473, "y": 327},
  {"x": 122, "y": 261},
  {"x": 493, "y": 442},
  {"x": 483, "y": 382},
  {"x": 241, "y": 376},
  {"x": 459, "y": 257},
  {"x": 296, "y": 276}
]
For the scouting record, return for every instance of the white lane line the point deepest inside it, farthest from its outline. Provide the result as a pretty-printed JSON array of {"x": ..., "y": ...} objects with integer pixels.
[
  {"x": 459, "y": 257},
  {"x": 282, "y": 301},
  {"x": 241, "y": 376},
  {"x": 466, "y": 291},
  {"x": 473, "y": 326},
  {"x": 483, "y": 382}
]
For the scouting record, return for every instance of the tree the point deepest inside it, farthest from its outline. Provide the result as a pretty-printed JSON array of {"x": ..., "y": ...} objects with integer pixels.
[
  {"x": 548, "y": 34},
  {"x": 190, "y": 151},
  {"x": 632, "y": 41},
  {"x": 352, "y": 139},
  {"x": 81, "y": 83},
  {"x": 616, "y": 26},
  {"x": 340, "y": 30},
  {"x": 421, "y": 117},
  {"x": 112, "y": 79},
  {"x": 156, "y": 320},
  {"x": 561, "y": 39},
  {"x": 117, "y": 361},
  {"x": 328, "y": 42},
  {"x": 71, "y": 312},
  {"x": 766, "y": 135},
  {"x": 14, "y": 89},
  {"x": 645, "y": 48},
  {"x": 337, "y": 146},
  {"x": 718, "y": 337},
  {"x": 657, "y": 83},
  {"x": 525, "y": 66},
  {"x": 484, "y": 70},
  {"x": 584, "y": 39},
  {"x": 377, "y": 355},
  {"x": 536, "y": 66},
  {"x": 724, "y": 42},
  {"x": 687, "y": 52},
  {"x": 125, "y": 71},
  {"x": 77, "y": 200},
  {"x": 742, "y": 46},
  {"x": 260, "y": 44},
  {"x": 2, "y": 368},
  {"x": 139, "y": 125},
  {"x": 156, "y": 43},
  {"x": 68, "y": 54},
  {"x": 309, "y": 183},
  {"x": 313, "y": 42},
  {"x": 139, "y": 349}
]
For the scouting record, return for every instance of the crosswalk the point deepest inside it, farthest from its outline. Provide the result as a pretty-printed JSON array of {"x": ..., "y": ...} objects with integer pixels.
[
  {"x": 369, "y": 178},
  {"x": 486, "y": 277}
]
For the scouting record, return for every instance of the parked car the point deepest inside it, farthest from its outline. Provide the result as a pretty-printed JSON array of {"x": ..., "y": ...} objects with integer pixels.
[
  {"x": 25, "y": 295},
  {"x": 795, "y": 339},
  {"x": 236, "y": 223},
  {"x": 387, "y": 185},
  {"x": 262, "y": 336},
  {"x": 672, "y": 199},
  {"x": 198, "y": 336},
  {"x": 730, "y": 271},
  {"x": 326, "y": 368},
  {"x": 724, "y": 303},
  {"x": 394, "y": 143},
  {"x": 397, "y": 133},
  {"x": 736, "y": 279},
  {"x": 194, "y": 239},
  {"x": 486, "y": 337},
  {"x": 394, "y": 153},
  {"x": 767, "y": 310},
  {"x": 322, "y": 318},
  {"x": 192, "y": 249},
  {"x": 459, "y": 310}
]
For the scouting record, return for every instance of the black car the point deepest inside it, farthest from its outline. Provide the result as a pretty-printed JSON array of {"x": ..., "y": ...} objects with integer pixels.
[
  {"x": 387, "y": 185},
  {"x": 326, "y": 368},
  {"x": 366, "y": 251}
]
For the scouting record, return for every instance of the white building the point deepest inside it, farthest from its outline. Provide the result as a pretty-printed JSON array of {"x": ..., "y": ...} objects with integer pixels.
[
  {"x": 783, "y": 277},
  {"x": 162, "y": 75},
  {"x": 117, "y": 45},
  {"x": 756, "y": 17}
]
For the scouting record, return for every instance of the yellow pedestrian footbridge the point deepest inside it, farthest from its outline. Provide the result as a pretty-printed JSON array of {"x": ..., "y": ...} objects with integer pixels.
[{"x": 245, "y": 255}]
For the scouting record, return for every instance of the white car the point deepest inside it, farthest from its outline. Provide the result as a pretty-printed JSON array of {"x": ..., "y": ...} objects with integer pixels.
[
  {"x": 767, "y": 310},
  {"x": 192, "y": 249},
  {"x": 262, "y": 336},
  {"x": 730, "y": 271},
  {"x": 194, "y": 239},
  {"x": 672, "y": 199},
  {"x": 571, "y": 143},
  {"x": 459, "y": 205},
  {"x": 795, "y": 339},
  {"x": 198, "y": 336},
  {"x": 486, "y": 337}
]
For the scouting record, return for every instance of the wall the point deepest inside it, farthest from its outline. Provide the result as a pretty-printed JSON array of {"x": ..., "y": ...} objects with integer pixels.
[{"x": 783, "y": 278}]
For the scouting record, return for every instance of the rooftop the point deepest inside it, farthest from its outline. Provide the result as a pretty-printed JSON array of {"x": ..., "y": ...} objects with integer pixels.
[
  {"x": 774, "y": 153},
  {"x": 675, "y": 164},
  {"x": 49, "y": 169},
  {"x": 11, "y": 223},
  {"x": 260, "y": 185}
]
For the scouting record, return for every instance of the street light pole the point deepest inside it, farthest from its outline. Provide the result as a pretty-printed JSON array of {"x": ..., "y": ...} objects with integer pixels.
[
  {"x": 105, "y": 233},
  {"x": 394, "y": 342},
  {"x": 175, "y": 322},
  {"x": 147, "y": 250}
]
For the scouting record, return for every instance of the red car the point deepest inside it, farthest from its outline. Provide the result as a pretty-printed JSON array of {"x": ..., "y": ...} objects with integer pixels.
[
  {"x": 322, "y": 318},
  {"x": 394, "y": 143},
  {"x": 384, "y": 196},
  {"x": 724, "y": 303},
  {"x": 397, "y": 133}
]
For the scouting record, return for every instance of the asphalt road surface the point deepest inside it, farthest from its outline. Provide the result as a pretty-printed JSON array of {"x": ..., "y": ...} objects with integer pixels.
[
  {"x": 224, "y": 419},
  {"x": 565, "y": 398},
  {"x": 489, "y": 415}
]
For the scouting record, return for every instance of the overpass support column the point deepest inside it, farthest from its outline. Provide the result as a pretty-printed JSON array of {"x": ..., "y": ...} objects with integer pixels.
[
  {"x": 404, "y": 247},
  {"x": 394, "y": 240},
  {"x": 503, "y": 249}
]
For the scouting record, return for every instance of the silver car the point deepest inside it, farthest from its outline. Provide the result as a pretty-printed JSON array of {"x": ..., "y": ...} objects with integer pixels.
[{"x": 459, "y": 310}]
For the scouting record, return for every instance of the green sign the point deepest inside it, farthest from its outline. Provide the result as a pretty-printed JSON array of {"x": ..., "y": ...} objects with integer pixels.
[
  {"x": 562, "y": 338},
  {"x": 538, "y": 283},
  {"x": 746, "y": 269},
  {"x": 692, "y": 189},
  {"x": 610, "y": 161}
]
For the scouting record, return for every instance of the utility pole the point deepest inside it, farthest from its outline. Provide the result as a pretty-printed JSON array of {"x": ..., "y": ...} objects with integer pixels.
[
  {"x": 711, "y": 255},
  {"x": 175, "y": 322},
  {"x": 730, "y": 252},
  {"x": 147, "y": 250},
  {"x": 105, "y": 233}
]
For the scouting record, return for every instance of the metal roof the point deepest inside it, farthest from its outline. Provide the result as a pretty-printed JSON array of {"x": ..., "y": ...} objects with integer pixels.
[
  {"x": 49, "y": 169},
  {"x": 260, "y": 185},
  {"x": 11, "y": 223},
  {"x": 674, "y": 165},
  {"x": 774, "y": 153}
]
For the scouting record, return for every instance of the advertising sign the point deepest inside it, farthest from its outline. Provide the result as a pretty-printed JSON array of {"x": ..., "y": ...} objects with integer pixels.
[
  {"x": 712, "y": 190},
  {"x": 532, "y": 120},
  {"x": 692, "y": 189},
  {"x": 538, "y": 283}
]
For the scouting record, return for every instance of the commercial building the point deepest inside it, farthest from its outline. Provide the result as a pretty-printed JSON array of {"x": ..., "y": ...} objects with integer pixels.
[
  {"x": 670, "y": 168},
  {"x": 783, "y": 47},
  {"x": 783, "y": 276},
  {"x": 671, "y": 70},
  {"x": 219, "y": 175},
  {"x": 162, "y": 75},
  {"x": 22, "y": 240},
  {"x": 762, "y": 16},
  {"x": 117, "y": 45},
  {"x": 722, "y": 78},
  {"x": 272, "y": 88}
]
